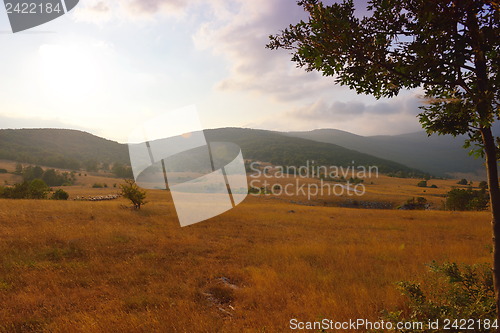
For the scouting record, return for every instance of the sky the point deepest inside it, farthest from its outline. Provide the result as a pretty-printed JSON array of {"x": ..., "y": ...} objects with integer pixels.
[{"x": 107, "y": 66}]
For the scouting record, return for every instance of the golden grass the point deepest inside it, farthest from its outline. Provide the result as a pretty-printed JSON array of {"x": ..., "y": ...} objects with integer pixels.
[
  {"x": 97, "y": 267},
  {"x": 381, "y": 189}
]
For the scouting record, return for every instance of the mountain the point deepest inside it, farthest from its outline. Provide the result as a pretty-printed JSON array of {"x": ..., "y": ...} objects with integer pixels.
[
  {"x": 438, "y": 155},
  {"x": 75, "y": 149}
]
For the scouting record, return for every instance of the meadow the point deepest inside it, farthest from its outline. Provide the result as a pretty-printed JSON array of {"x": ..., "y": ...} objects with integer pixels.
[{"x": 73, "y": 266}]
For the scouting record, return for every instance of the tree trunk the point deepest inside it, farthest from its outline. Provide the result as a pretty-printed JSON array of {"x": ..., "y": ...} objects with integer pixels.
[{"x": 492, "y": 171}]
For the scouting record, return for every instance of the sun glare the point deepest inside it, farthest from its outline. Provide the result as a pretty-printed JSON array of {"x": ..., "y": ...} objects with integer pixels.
[{"x": 68, "y": 71}]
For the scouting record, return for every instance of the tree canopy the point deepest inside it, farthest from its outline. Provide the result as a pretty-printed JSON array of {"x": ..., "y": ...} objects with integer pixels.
[
  {"x": 131, "y": 191},
  {"x": 448, "y": 48}
]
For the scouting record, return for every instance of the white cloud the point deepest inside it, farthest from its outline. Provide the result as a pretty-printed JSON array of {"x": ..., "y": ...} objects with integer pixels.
[
  {"x": 236, "y": 32},
  {"x": 241, "y": 39},
  {"x": 403, "y": 105},
  {"x": 100, "y": 11},
  {"x": 393, "y": 116}
]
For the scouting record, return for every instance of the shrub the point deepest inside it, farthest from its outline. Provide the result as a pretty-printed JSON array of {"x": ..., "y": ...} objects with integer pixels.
[
  {"x": 422, "y": 183},
  {"x": 467, "y": 199},
  {"x": 18, "y": 191},
  {"x": 122, "y": 171},
  {"x": 60, "y": 195},
  {"x": 37, "y": 189},
  {"x": 453, "y": 292},
  {"x": 434, "y": 186},
  {"x": 3, "y": 170},
  {"x": 463, "y": 181},
  {"x": 131, "y": 191},
  {"x": 98, "y": 185},
  {"x": 419, "y": 204},
  {"x": 356, "y": 181},
  {"x": 254, "y": 190},
  {"x": 483, "y": 185},
  {"x": 19, "y": 169}
]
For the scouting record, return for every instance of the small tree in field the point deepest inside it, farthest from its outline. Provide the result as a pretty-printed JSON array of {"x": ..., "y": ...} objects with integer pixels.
[
  {"x": 463, "y": 181},
  {"x": 131, "y": 191},
  {"x": 448, "y": 48},
  {"x": 60, "y": 194}
]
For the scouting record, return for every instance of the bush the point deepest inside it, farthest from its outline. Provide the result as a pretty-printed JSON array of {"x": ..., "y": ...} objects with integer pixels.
[
  {"x": 483, "y": 185},
  {"x": 131, "y": 191},
  {"x": 453, "y": 292},
  {"x": 18, "y": 191},
  {"x": 122, "y": 171},
  {"x": 434, "y": 186},
  {"x": 37, "y": 189},
  {"x": 98, "y": 185},
  {"x": 60, "y": 195},
  {"x": 467, "y": 199},
  {"x": 419, "y": 204},
  {"x": 254, "y": 190},
  {"x": 463, "y": 181},
  {"x": 356, "y": 181},
  {"x": 51, "y": 177},
  {"x": 3, "y": 170},
  {"x": 422, "y": 183}
]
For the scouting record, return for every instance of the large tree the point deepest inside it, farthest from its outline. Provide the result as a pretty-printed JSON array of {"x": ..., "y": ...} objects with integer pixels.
[{"x": 448, "y": 48}]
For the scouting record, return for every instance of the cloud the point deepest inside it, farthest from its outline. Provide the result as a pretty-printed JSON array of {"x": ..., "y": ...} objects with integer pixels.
[
  {"x": 99, "y": 11},
  {"x": 393, "y": 116},
  {"x": 240, "y": 34},
  {"x": 14, "y": 122},
  {"x": 341, "y": 111},
  {"x": 96, "y": 12},
  {"x": 152, "y": 7},
  {"x": 236, "y": 32},
  {"x": 241, "y": 39}
]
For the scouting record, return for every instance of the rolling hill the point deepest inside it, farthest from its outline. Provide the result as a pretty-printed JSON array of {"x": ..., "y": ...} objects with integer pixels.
[
  {"x": 75, "y": 149},
  {"x": 280, "y": 149},
  {"x": 62, "y": 148}
]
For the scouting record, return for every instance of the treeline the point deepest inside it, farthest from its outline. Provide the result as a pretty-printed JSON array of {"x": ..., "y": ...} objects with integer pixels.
[
  {"x": 42, "y": 158},
  {"x": 55, "y": 178},
  {"x": 35, "y": 189},
  {"x": 37, "y": 182},
  {"x": 50, "y": 177},
  {"x": 122, "y": 171},
  {"x": 461, "y": 199}
]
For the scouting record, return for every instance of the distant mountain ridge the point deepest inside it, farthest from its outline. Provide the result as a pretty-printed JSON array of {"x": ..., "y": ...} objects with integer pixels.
[
  {"x": 74, "y": 149},
  {"x": 438, "y": 155},
  {"x": 408, "y": 153}
]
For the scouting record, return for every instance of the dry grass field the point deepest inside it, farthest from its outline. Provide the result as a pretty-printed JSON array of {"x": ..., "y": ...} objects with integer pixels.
[
  {"x": 77, "y": 266},
  {"x": 389, "y": 191}
]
